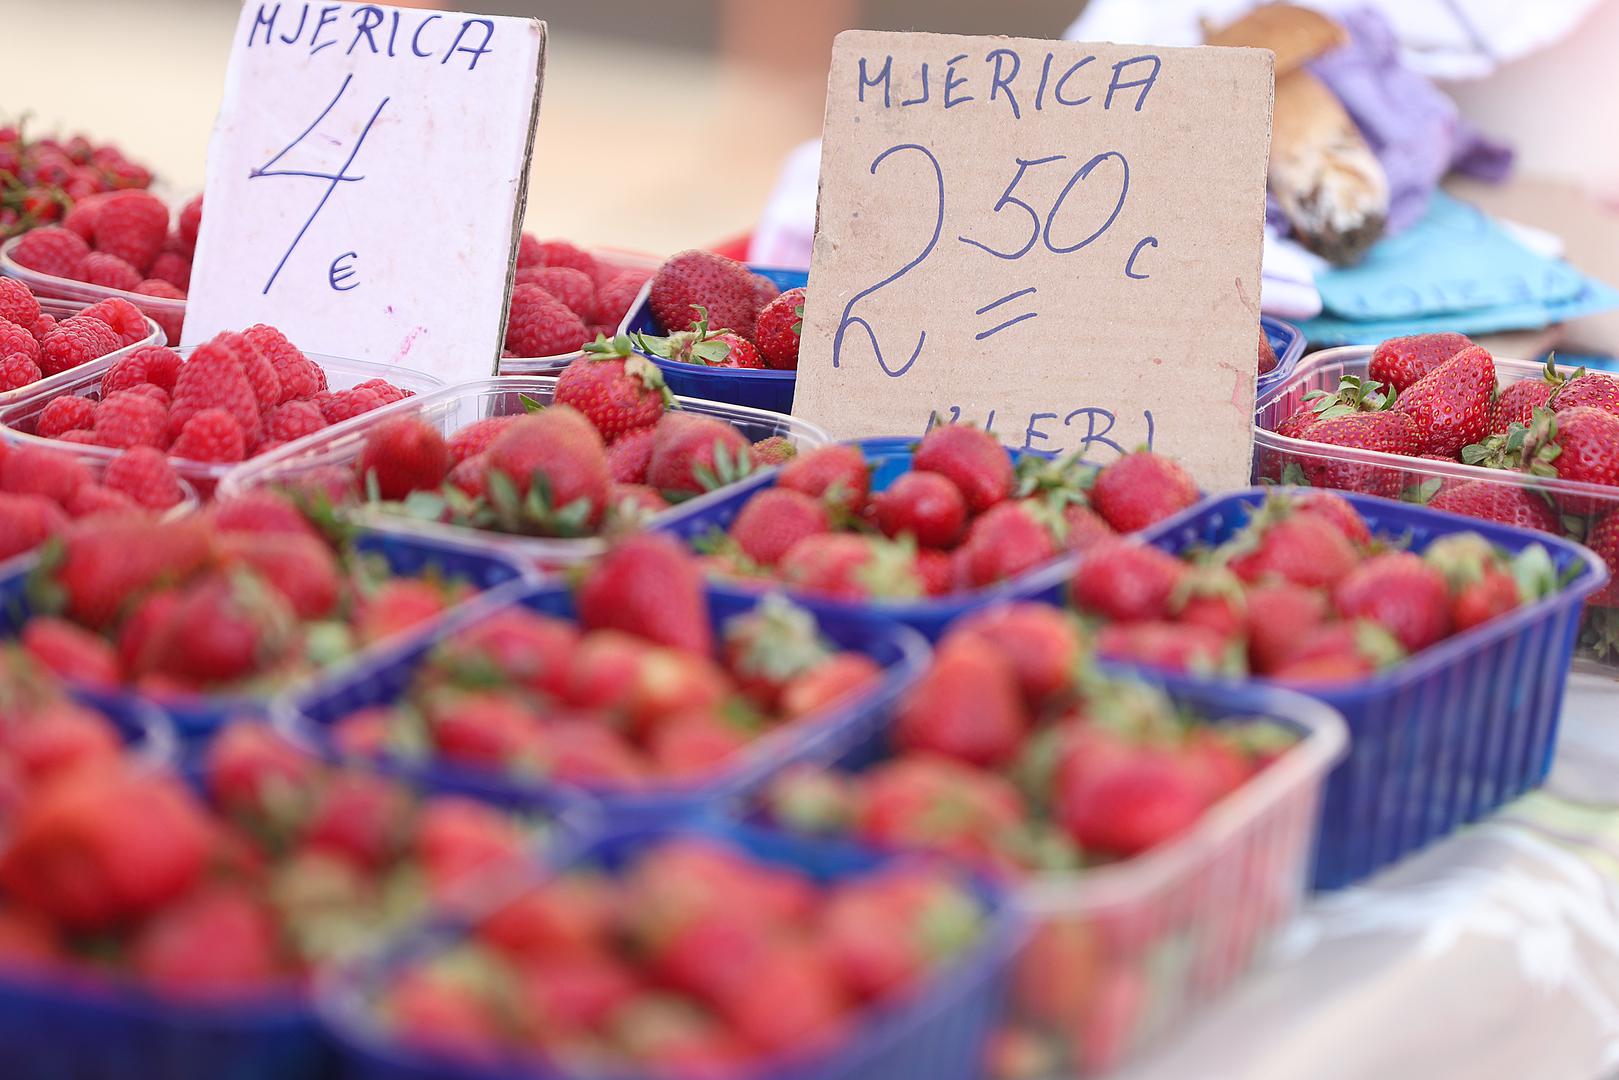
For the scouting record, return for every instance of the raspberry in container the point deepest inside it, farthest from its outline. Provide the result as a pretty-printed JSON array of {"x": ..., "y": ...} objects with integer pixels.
[
  {"x": 787, "y": 996},
  {"x": 30, "y": 364},
  {"x": 113, "y": 245},
  {"x": 1444, "y": 641},
  {"x": 641, "y": 693},
  {"x": 594, "y": 288},
  {"x": 207, "y": 900},
  {"x": 208, "y": 407},
  {"x": 1489, "y": 477},
  {"x": 490, "y": 471},
  {"x": 1155, "y": 840}
]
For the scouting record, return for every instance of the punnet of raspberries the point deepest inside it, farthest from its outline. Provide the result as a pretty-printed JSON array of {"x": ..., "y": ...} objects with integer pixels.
[
  {"x": 1304, "y": 593},
  {"x": 563, "y": 297},
  {"x": 637, "y": 692},
  {"x": 1441, "y": 398},
  {"x": 715, "y": 312},
  {"x": 43, "y": 179},
  {"x": 963, "y": 517},
  {"x": 42, "y": 489},
  {"x": 608, "y": 451},
  {"x": 693, "y": 958},
  {"x": 126, "y": 877},
  {"x": 35, "y": 344},
  {"x": 235, "y": 396},
  {"x": 244, "y": 598}
]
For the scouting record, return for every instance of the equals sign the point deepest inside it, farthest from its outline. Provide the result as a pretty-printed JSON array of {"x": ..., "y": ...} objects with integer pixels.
[{"x": 1007, "y": 299}]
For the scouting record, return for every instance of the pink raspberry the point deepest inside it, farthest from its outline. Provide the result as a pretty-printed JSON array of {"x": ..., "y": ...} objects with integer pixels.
[
  {"x": 347, "y": 404},
  {"x": 15, "y": 339},
  {"x": 560, "y": 253},
  {"x": 146, "y": 476},
  {"x": 18, "y": 370},
  {"x": 132, "y": 225},
  {"x": 573, "y": 287},
  {"x": 82, "y": 218},
  {"x": 42, "y": 326},
  {"x": 64, "y": 414},
  {"x": 96, "y": 499},
  {"x": 292, "y": 420},
  {"x": 261, "y": 376},
  {"x": 36, "y": 470},
  {"x": 155, "y": 393},
  {"x": 131, "y": 419},
  {"x": 155, "y": 364},
  {"x": 614, "y": 298},
  {"x": 190, "y": 221},
  {"x": 76, "y": 340},
  {"x": 211, "y": 435},
  {"x": 541, "y": 325},
  {"x": 173, "y": 268},
  {"x": 108, "y": 271},
  {"x": 387, "y": 391},
  {"x": 300, "y": 377},
  {"x": 125, "y": 319},
  {"x": 80, "y": 436},
  {"x": 169, "y": 317},
  {"x": 213, "y": 379},
  {"x": 52, "y": 250},
  {"x": 17, "y": 303}
]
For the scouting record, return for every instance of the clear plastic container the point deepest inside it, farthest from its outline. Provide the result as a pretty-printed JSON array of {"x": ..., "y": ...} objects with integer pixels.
[
  {"x": 618, "y": 259},
  {"x": 18, "y": 418},
  {"x": 1418, "y": 479},
  {"x": 167, "y": 314},
  {"x": 454, "y": 407},
  {"x": 58, "y": 383}
]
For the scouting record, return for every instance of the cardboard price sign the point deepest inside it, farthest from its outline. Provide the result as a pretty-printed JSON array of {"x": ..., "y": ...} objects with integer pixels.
[
  {"x": 366, "y": 182},
  {"x": 1054, "y": 240}
]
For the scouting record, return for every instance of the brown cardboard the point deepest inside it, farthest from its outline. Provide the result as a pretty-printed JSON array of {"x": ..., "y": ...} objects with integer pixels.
[{"x": 1145, "y": 333}]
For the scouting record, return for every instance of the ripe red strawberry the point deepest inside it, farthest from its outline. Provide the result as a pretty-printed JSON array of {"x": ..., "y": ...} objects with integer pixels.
[
  {"x": 61, "y": 738},
  {"x": 701, "y": 278},
  {"x": 516, "y": 646},
  {"x": 1338, "y": 510},
  {"x": 887, "y": 931},
  {"x": 650, "y": 586},
  {"x": 105, "y": 846},
  {"x": 1477, "y": 602},
  {"x": 1281, "y": 615},
  {"x": 396, "y": 606},
  {"x": 847, "y": 566},
  {"x": 1587, "y": 450},
  {"x": 18, "y": 370},
  {"x": 473, "y": 439},
  {"x": 210, "y": 435},
  {"x": 969, "y": 458},
  {"x": 1266, "y": 356},
  {"x": 1041, "y": 642},
  {"x": 220, "y": 631},
  {"x": 249, "y": 769},
  {"x": 1604, "y": 540},
  {"x": 71, "y": 650},
  {"x": 827, "y": 683},
  {"x": 1517, "y": 401},
  {"x": 1141, "y": 489},
  {"x": 1007, "y": 540},
  {"x": 1403, "y": 361},
  {"x": 1150, "y": 797},
  {"x": 1451, "y": 404},
  {"x": 1126, "y": 582},
  {"x": 129, "y": 419},
  {"x": 1306, "y": 549},
  {"x": 923, "y": 505},
  {"x": 929, "y": 803},
  {"x": 1172, "y": 646},
  {"x": 17, "y": 303},
  {"x": 300, "y": 567},
  {"x": 692, "y": 454},
  {"x": 694, "y": 743},
  {"x": 124, "y": 318},
  {"x": 487, "y": 729},
  {"x": 705, "y": 344},
  {"x": 617, "y": 391},
  {"x": 75, "y": 341},
  {"x": 52, "y": 250},
  {"x": 1507, "y": 503},
  {"x": 616, "y": 294},
  {"x": 629, "y": 456},
  {"x": 401, "y": 455},
  {"x": 968, "y": 706},
  {"x": 1594, "y": 389},
  {"x": 217, "y": 944},
  {"x": 573, "y": 287},
  {"x": 1083, "y": 528},
  {"x": 26, "y": 521},
  {"x": 1339, "y": 652},
  {"x": 155, "y": 364},
  {"x": 435, "y": 1010},
  {"x": 106, "y": 568},
  {"x": 67, "y": 412},
  {"x": 109, "y": 271},
  {"x": 133, "y": 226},
  {"x": 936, "y": 570},
  {"x": 32, "y": 470},
  {"x": 559, "y": 453},
  {"x": 837, "y": 474},
  {"x": 541, "y": 325},
  {"x": 777, "y": 330},
  {"x": 260, "y": 511},
  {"x": 1382, "y": 431},
  {"x": 775, "y": 519},
  {"x": 457, "y": 839}
]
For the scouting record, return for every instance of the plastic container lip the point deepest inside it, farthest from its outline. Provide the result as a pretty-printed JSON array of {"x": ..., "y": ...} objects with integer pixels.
[
  {"x": 340, "y": 443},
  {"x": 68, "y": 289},
  {"x": 55, "y": 384},
  {"x": 1354, "y": 360},
  {"x": 88, "y": 377}
]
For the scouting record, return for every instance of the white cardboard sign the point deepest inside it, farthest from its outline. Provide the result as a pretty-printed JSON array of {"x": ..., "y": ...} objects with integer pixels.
[
  {"x": 366, "y": 182},
  {"x": 1058, "y": 241}
]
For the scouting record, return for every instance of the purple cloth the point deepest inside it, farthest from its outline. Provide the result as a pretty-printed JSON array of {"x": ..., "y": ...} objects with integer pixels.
[{"x": 1411, "y": 125}]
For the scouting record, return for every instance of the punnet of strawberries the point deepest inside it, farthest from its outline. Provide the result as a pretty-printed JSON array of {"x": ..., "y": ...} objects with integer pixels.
[
  {"x": 564, "y": 296},
  {"x": 638, "y": 692},
  {"x": 1438, "y": 397},
  {"x": 243, "y": 598},
  {"x": 115, "y": 873},
  {"x": 609, "y": 450},
  {"x": 1303, "y": 593},
  {"x": 34, "y": 344},
  {"x": 233, "y": 397},
  {"x": 691, "y": 957},
  {"x": 42, "y": 179},
  {"x": 962, "y": 517},
  {"x": 42, "y": 489}
]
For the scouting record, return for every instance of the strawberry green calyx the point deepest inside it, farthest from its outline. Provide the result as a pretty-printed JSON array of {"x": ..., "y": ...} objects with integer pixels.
[
  {"x": 890, "y": 571},
  {"x": 949, "y": 924},
  {"x": 1539, "y": 449},
  {"x": 814, "y": 801},
  {"x": 1536, "y": 574},
  {"x": 776, "y": 641},
  {"x": 1354, "y": 395},
  {"x": 1374, "y": 642},
  {"x": 617, "y": 347},
  {"x": 1503, "y": 451},
  {"x": 729, "y": 467},
  {"x": 700, "y": 345},
  {"x": 1462, "y": 558}
]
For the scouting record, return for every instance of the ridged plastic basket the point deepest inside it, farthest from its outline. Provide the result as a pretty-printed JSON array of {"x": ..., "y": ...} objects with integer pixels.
[
  {"x": 753, "y": 387},
  {"x": 890, "y": 458},
  {"x": 167, "y": 316},
  {"x": 197, "y": 718},
  {"x": 19, "y": 417},
  {"x": 936, "y": 1032},
  {"x": 1287, "y": 341},
  {"x": 308, "y": 715},
  {"x": 1417, "y": 479},
  {"x": 1452, "y": 732},
  {"x": 552, "y": 365},
  {"x": 55, "y": 384},
  {"x": 454, "y": 407}
]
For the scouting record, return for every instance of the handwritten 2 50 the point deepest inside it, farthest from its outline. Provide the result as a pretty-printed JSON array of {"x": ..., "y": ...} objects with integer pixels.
[{"x": 1026, "y": 227}]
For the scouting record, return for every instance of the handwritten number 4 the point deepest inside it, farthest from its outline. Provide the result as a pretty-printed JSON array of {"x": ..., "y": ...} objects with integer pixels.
[{"x": 332, "y": 179}]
